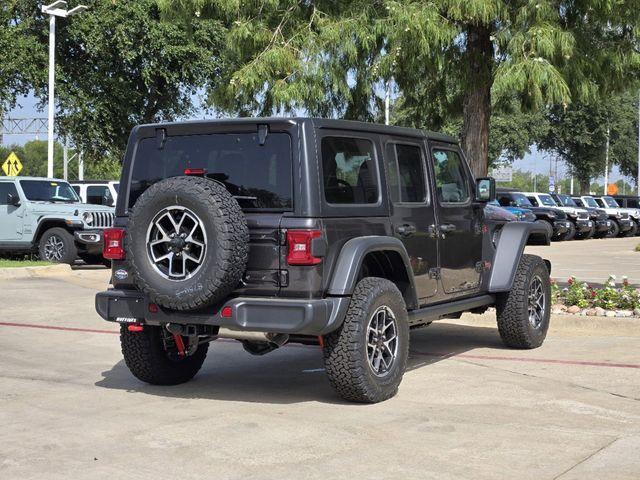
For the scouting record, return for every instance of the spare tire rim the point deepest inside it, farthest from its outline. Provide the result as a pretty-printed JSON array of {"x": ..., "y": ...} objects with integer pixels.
[
  {"x": 536, "y": 302},
  {"x": 176, "y": 243},
  {"x": 382, "y": 340}
]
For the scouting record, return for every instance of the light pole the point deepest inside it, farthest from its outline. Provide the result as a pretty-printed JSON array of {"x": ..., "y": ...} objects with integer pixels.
[{"x": 55, "y": 9}]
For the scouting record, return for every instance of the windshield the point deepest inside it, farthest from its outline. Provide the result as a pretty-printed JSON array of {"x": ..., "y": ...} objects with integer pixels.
[
  {"x": 610, "y": 202},
  {"x": 48, "y": 191},
  {"x": 590, "y": 202},
  {"x": 547, "y": 201},
  {"x": 520, "y": 200},
  {"x": 258, "y": 176},
  {"x": 566, "y": 201}
]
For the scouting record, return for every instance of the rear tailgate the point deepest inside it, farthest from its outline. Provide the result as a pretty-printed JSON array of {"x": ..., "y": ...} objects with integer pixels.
[{"x": 263, "y": 275}]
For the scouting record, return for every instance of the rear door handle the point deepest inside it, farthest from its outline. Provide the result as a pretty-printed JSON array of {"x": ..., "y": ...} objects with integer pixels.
[
  {"x": 406, "y": 230},
  {"x": 447, "y": 228}
]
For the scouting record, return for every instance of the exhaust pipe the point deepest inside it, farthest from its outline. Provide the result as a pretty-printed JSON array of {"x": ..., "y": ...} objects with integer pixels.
[{"x": 256, "y": 343}]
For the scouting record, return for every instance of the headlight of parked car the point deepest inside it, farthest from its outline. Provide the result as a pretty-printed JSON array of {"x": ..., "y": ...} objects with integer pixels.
[{"x": 87, "y": 218}]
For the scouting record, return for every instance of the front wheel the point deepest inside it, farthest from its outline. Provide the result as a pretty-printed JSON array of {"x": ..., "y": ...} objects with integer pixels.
[
  {"x": 366, "y": 357},
  {"x": 58, "y": 246},
  {"x": 523, "y": 313},
  {"x": 614, "y": 230},
  {"x": 152, "y": 356},
  {"x": 570, "y": 234}
]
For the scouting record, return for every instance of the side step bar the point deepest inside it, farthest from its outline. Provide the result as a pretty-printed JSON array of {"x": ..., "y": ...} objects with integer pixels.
[{"x": 436, "y": 312}]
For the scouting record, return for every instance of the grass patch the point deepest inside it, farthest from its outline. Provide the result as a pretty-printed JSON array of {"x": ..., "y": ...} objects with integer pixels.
[
  {"x": 28, "y": 260},
  {"x": 6, "y": 263}
]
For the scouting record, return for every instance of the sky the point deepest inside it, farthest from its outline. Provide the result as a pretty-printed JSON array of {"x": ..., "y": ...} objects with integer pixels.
[{"x": 535, "y": 161}]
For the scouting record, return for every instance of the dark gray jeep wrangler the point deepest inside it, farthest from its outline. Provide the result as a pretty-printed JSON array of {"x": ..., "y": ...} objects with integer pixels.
[{"x": 340, "y": 234}]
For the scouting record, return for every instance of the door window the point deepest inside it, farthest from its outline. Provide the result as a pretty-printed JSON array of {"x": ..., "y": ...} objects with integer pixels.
[
  {"x": 99, "y": 195},
  {"x": 451, "y": 179},
  {"x": 349, "y": 171},
  {"x": 7, "y": 188},
  {"x": 406, "y": 174}
]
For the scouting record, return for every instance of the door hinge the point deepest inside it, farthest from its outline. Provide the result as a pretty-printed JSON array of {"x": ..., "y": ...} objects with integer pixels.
[{"x": 434, "y": 273}]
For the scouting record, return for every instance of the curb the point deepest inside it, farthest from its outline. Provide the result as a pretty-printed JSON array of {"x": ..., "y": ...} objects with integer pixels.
[
  {"x": 34, "y": 272},
  {"x": 627, "y": 326}
]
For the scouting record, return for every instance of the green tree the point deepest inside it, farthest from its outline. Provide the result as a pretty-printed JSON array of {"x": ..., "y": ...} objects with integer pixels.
[
  {"x": 452, "y": 60},
  {"x": 33, "y": 156},
  {"x": 579, "y": 133},
  {"x": 119, "y": 66}
]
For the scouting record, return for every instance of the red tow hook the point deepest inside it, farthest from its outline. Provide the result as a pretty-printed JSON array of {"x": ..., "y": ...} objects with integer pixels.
[
  {"x": 179, "y": 344},
  {"x": 136, "y": 327}
]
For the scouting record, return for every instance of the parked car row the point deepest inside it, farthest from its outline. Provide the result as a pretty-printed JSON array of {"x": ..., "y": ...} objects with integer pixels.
[
  {"x": 569, "y": 217},
  {"x": 45, "y": 216}
]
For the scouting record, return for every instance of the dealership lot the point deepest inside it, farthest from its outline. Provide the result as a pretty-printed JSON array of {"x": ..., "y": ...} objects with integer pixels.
[{"x": 467, "y": 408}]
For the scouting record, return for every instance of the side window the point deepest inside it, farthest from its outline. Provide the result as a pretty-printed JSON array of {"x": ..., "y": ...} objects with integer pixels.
[
  {"x": 76, "y": 188},
  {"x": 7, "y": 188},
  {"x": 504, "y": 201},
  {"x": 99, "y": 195},
  {"x": 349, "y": 171},
  {"x": 407, "y": 178},
  {"x": 451, "y": 179},
  {"x": 534, "y": 201}
]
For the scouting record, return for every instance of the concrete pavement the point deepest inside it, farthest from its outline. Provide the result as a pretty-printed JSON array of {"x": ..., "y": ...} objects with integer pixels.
[
  {"x": 467, "y": 408},
  {"x": 593, "y": 260}
]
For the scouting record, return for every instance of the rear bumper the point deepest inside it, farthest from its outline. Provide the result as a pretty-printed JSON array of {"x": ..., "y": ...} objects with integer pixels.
[{"x": 262, "y": 314}]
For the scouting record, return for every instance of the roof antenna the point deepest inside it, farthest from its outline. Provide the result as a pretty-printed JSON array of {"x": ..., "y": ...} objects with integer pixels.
[{"x": 263, "y": 131}]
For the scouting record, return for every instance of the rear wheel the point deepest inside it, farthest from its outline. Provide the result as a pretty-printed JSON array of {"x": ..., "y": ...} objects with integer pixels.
[
  {"x": 152, "y": 355},
  {"x": 366, "y": 357},
  {"x": 58, "y": 246},
  {"x": 633, "y": 232},
  {"x": 523, "y": 313}
]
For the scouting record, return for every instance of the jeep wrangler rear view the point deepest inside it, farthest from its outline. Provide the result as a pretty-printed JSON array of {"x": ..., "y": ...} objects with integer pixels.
[{"x": 324, "y": 232}]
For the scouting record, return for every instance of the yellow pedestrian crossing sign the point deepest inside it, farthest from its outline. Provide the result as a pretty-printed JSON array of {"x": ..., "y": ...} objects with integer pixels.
[{"x": 12, "y": 165}]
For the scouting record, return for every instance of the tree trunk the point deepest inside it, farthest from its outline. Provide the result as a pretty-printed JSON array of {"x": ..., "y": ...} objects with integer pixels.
[
  {"x": 585, "y": 185},
  {"x": 477, "y": 101}
]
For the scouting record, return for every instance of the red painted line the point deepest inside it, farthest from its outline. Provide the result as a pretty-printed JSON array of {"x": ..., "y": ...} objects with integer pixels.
[
  {"x": 413, "y": 352},
  {"x": 523, "y": 359},
  {"x": 50, "y": 327}
]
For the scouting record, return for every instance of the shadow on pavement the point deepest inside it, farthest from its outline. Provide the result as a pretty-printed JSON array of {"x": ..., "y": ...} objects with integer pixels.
[{"x": 294, "y": 373}]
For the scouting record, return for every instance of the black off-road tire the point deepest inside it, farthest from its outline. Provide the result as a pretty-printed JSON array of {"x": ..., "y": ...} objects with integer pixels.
[
  {"x": 148, "y": 361},
  {"x": 614, "y": 231},
  {"x": 546, "y": 225},
  {"x": 227, "y": 248},
  {"x": 632, "y": 232},
  {"x": 570, "y": 234},
  {"x": 586, "y": 235},
  {"x": 70, "y": 251},
  {"x": 345, "y": 350},
  {"x": 514, "y": 326}
]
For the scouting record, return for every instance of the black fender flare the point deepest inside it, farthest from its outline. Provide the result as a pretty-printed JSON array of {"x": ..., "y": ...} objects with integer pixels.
[
  {"x": 349, "y": 261},
  {"x": 510, "y": 246}
]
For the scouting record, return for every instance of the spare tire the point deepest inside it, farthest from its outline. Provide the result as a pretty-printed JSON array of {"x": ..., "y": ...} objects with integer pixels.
[{"x": 187, "y": 243}]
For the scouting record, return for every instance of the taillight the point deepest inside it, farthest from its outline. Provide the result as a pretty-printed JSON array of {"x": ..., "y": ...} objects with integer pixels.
[
  {"x": 113, "y": 248},
  {"x": 299, "y": 242}
]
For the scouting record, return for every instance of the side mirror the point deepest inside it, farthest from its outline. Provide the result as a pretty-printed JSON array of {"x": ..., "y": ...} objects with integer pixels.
[
  {"x": 485, "y": 189},
  {"x": 13, "y": 200}
]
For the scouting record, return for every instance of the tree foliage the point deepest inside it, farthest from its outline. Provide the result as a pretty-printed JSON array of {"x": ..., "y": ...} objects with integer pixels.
[
  {"x": 452, "y": 60},
  {"x": 579, "y": 133}
]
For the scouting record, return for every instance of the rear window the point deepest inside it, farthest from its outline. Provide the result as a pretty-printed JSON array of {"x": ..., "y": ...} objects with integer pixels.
[{"x": 259, "y": 176}]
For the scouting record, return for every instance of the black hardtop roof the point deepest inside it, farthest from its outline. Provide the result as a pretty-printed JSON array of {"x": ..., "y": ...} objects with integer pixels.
[{"x": 316, "y": 122}]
